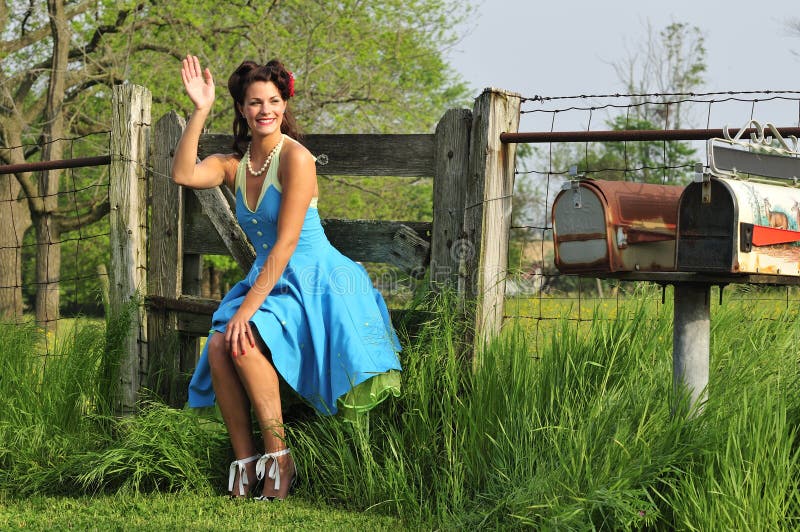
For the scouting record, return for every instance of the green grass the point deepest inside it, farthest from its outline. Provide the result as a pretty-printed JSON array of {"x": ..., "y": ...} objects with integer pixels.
[
  {"x": 186, "y": 511},
  {"x": 570, "y": 431}
]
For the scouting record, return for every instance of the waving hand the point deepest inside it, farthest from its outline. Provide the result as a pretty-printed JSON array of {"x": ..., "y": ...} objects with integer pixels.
[{"x": 198, "y": 83}]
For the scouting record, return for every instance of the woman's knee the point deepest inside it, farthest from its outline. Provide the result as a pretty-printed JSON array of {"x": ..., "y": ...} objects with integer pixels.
[{"x": 218, "y": 352}]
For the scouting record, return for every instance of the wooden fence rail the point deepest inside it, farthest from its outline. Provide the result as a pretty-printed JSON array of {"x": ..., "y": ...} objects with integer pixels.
[{"x": 463, "y": 247}]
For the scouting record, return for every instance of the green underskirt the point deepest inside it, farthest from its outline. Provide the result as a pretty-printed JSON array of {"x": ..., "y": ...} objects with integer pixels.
[{"x": 369, "y": 394}]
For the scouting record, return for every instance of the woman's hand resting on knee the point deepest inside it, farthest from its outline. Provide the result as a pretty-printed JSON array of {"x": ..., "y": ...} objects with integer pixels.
[{"x": 239, "y": 335}]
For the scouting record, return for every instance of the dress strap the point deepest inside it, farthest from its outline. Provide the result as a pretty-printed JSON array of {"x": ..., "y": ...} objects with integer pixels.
[
  {"x": 271, "y": 177},
  {"x": 239, "y": 180}
]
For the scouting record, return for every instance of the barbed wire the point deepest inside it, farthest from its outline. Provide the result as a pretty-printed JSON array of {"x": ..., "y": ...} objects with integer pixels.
[
  {"x": 539, "y": 98},
  {"x": 539, "y": 293},
  {"x": 57, "y": 194},
  {"x": 81, "y": 191},
  {"x": 50, "y": 242},
  {"x": 42, "y": 144},
  {"x": 82, "y": 277},
  {"x": 610, "y": 169},
  {"x": 600, "y": 107}
]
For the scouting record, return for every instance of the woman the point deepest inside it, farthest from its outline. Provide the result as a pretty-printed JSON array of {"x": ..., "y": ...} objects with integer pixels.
[{"x": 304, "y": 311}]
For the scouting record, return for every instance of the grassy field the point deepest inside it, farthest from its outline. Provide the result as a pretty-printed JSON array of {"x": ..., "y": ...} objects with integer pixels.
[{"x": 567, "y": 426}]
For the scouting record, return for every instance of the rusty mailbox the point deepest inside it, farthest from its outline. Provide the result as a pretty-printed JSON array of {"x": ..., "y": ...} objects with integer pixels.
[
  {"x": 602, "y": 227},
  {"x": 742, "y": 217}
]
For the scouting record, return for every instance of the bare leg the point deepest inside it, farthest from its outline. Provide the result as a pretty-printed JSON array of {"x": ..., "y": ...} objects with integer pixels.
[
  {"x": 261, "y": 382},
  {"x": 234, "y": 405}
]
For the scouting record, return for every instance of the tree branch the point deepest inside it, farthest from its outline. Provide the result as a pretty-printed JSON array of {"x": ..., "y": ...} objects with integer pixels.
[
  {"x": 353, "y": 99},
  {"x": 167, "y": 50},
  {"x": 32, "y": 74},
  {"x": 272, "y": 6},
  {"x": 3, "y": 14},
  {"x": 71, "y": 222},
  {"x": 28, "y": 15},
  {"x": 90, "y": 47},
  {"x": 13, "y": 137},
  {"x": 349, "y": 184},
  {"x": 27, "y": 39},
  {"x": 35, "y": 203}
]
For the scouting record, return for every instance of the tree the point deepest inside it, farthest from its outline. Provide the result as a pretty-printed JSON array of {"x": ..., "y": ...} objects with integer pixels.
[
  {"x": 51, "y": 54},
  {"x": 356, "y": 63},
  {"x": 669, "y": 66}
]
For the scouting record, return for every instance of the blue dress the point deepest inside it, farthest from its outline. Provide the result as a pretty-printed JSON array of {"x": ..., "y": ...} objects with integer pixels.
[{"x": 326, "y": 326}]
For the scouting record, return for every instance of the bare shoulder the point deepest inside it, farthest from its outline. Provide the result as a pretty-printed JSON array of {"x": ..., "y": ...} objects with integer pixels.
[
  {"x": 296, "y": 156},
  {"x": 298, "y": 168}
]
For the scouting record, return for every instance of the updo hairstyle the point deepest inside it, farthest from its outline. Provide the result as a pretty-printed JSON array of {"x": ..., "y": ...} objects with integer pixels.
[{"x": 242, "y": 77}]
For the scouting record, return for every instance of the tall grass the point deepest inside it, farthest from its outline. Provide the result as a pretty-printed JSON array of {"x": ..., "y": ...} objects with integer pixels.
[
  {"x": 575, "y": 435},
  {"x": 47, "y": 403},
  {"x": 579, "y": 435},
  {"x": 58, "y": 432}
]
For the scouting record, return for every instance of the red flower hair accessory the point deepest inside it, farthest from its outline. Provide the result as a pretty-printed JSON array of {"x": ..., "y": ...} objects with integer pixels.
[{"x": 291, "y": 84}]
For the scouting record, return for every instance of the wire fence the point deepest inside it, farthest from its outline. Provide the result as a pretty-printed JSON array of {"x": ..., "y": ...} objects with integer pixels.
[
  {"x": 54, "y": 248},
  {"x": 536, "y": 293}
]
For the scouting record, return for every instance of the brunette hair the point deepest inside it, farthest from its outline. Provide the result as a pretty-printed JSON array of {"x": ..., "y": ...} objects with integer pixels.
[{"x": 242, "y": 77}]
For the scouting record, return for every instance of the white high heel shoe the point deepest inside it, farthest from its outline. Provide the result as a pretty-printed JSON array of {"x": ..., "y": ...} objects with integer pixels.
[
  {"x": 238, "y": 466},
  {"x": 274, "y": 473}
]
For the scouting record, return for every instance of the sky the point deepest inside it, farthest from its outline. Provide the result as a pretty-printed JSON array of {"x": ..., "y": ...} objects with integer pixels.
[{"x": 567, "y": 47}]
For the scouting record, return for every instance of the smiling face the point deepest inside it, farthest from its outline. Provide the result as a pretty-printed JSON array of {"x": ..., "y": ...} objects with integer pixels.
[{"x": 263, "y": 108}]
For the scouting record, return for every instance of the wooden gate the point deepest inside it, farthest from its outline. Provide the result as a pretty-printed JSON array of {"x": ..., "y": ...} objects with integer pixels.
[{"x": 463, "y": 247}]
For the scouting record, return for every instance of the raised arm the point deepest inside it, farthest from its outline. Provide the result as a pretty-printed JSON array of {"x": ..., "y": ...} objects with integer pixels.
[{"x": 209, "y": 173}]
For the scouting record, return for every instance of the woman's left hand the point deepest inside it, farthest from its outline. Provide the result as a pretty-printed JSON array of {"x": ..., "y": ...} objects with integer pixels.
[{"x": 239, "y": 335}]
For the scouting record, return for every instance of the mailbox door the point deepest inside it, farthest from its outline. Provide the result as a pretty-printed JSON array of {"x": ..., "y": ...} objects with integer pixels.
[
  {"x": 769, "y": 218},
  {"x": 579, "y": 231},
  {"x": 707, "y": 232},
  {"x": 643, "y": 222}
]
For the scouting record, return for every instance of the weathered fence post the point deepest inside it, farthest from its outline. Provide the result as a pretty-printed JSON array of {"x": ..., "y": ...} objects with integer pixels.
[
  {"x": 451, "y": 166},
  {"x": 165, "y": 262},
  {"x": 130, "y": 128},
  {"x": 487, "y": 213},
  {"x": 190, "y": 286}
]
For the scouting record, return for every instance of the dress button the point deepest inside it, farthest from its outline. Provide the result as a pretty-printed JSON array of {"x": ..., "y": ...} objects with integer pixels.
[
  {"x": 264, "y": 246},
  {"x": 254, "y": 221},
  {"x": 283, "y": 322},
  {"x": 259, "y": 233}
]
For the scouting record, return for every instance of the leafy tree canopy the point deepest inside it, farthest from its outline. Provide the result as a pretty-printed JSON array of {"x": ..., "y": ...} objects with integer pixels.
[{"x": 361, "y": 66}]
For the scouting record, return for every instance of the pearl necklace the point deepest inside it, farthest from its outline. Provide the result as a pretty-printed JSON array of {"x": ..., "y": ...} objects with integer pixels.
[{"x": 266, "y": 161}]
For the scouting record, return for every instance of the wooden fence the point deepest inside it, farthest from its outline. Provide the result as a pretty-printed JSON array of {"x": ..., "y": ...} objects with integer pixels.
[{"x": 464, "y": 246}]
